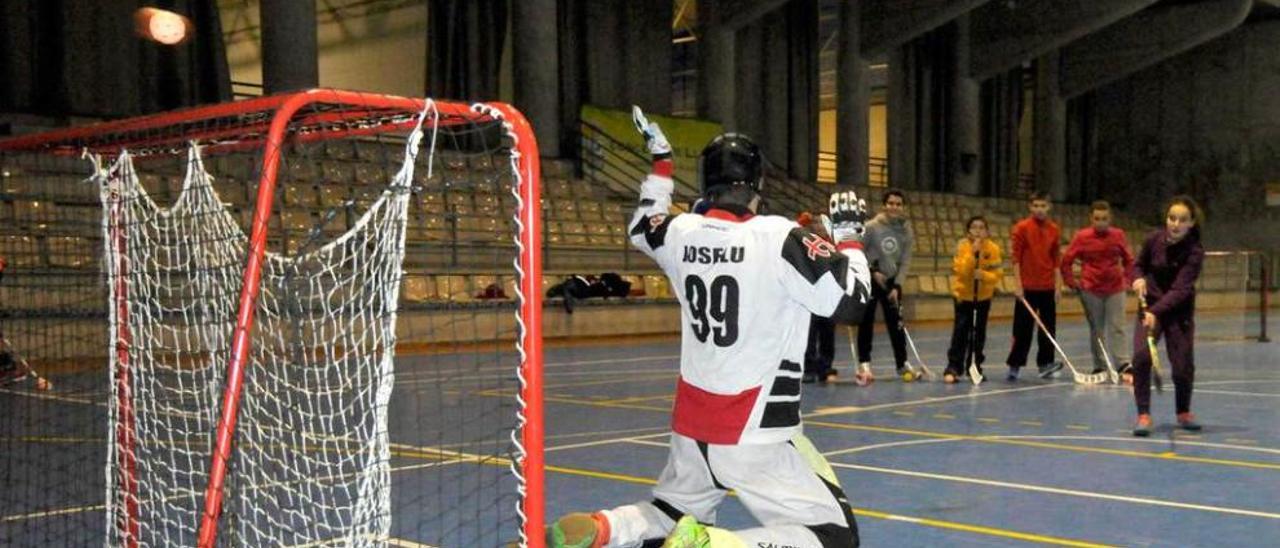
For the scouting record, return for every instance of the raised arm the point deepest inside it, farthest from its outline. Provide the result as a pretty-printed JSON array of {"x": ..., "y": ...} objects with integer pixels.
[{"x": 648, "y": 226}]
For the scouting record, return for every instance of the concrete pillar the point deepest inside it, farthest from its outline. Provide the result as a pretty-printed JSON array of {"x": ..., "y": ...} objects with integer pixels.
[
  {"x": 1050, "y": 133},
  {"x": 931, "y": 109},
  {"x": 964, "y": 137},
  {"x": 289, "y": 54},
  {"x": 537, "y": 69},
  {"x": 750, "y": 73},
  {"x": 605, "y": 71},
  {"x": 802, "y": 90},
  {"x": 901, "y": 99},
  {"x": 716, "y": 75},
  {"x": 716, "y": 78},
  {"x": 852, "y": 98},
  {"x": 773, "y": 98}
]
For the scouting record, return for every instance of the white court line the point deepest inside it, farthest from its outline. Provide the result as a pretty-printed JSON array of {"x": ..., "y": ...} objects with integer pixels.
[
  {"x": 406, "y": 543},
  {"x": 1235, "y": 393},
  {"x": 634, "y": 439},
  {"x": 1058, "y": 491},
  {"x": 53, "y": 397},
  {"x": 959, "y": 437},
  {"x": 972, "y": 395}
]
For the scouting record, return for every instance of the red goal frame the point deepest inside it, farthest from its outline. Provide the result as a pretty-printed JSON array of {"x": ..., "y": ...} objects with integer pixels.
[{"x": 305, "y": 116}]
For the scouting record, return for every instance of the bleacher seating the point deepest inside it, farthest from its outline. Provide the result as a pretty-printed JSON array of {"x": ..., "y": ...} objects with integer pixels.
[{"x": 459, "y": 239}]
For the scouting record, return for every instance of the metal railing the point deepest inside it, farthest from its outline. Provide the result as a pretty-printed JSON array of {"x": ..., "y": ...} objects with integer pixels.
[
  {"x": 619, "y": 169},
  {"x": 877, "y": 169}
]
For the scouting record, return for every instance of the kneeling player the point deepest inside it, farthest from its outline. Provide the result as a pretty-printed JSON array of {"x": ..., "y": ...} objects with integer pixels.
[{"x": 747, "y": 286}]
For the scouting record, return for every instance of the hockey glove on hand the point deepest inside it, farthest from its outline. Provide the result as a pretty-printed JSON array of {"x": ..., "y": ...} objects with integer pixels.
[
  {"x": 847, "y": 222},
  {"x": 654, "y": 140}
]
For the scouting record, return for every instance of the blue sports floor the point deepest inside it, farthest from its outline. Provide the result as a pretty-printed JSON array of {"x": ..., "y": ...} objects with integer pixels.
[
  {"x": 1001, "y": 464},
  {"x": 924, "y": 464}
]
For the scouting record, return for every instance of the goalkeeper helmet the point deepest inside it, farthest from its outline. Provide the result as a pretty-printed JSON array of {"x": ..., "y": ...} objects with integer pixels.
[{"x": 731, "y": 159}]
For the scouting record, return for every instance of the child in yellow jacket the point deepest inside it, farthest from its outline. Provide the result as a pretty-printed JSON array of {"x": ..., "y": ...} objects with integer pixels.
[{"x": 977, "y": 259}]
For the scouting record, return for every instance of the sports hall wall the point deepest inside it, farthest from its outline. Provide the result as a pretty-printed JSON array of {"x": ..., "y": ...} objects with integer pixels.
[{"x": 1206, "y": 122}]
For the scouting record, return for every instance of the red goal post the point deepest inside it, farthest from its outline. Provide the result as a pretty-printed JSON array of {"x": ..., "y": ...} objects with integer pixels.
[{"x": 267, "y": 124}]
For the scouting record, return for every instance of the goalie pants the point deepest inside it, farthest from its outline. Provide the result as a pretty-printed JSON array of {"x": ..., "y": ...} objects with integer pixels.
[
  {"x": 1106, "y": 326},
  {"x": 788, "y": 487},
  {"x": 1178, "y": 332},
  {"x": 892, "y": 323}
]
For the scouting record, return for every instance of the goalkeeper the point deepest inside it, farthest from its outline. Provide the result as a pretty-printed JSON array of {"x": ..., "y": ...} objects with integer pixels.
[{"x": 747, "y": 285}]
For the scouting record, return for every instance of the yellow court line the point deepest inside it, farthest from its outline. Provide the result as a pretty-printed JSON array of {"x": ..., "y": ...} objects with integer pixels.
[
  {"x": 1048, "y": 445},
  {"x": 983, "y": 439},
  {"x": 634, "y": 399},
  {"x": 653, "y": 377},
  {"x": 578, "y": 401},
  {"x": 991, "y": 531}
]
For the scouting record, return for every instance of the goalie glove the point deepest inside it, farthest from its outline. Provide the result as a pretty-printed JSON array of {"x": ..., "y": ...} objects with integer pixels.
[
  {"x": 847, "y": 220},
  {"x": 654, "y": 140}
]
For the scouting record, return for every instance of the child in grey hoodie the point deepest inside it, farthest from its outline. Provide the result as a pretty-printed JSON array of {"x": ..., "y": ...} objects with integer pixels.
[{"x": 888, "y": 243}]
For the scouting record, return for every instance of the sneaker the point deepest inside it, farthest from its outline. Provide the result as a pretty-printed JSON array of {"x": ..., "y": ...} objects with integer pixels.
[
  {"x": 863, "y": 375},
  {"x": 1187, "y": 421},
  {"x": 1142, "y": 428},
  {"x": 949, "y": 376},
  {"x": 829, "y": 376},
  {"x": 1098, "y": 370},
  {"x": 1048, "y": 371},
  {"x": 1013, "y": 374},
  {"x": 578, "y": 530},
  {"x": 688, "y": 533}
]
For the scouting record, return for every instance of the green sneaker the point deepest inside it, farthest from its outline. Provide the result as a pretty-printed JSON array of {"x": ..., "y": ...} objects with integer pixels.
[
  {"x": 688, "y": 533},
  {"x": 577, "y": 530}
]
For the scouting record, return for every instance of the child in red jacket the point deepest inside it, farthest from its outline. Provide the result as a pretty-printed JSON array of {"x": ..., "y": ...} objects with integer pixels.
[{"x": 1106, "y": 263}]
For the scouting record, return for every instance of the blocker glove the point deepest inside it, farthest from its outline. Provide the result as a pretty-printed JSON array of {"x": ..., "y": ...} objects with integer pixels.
[
  {"x": 847, "y": 220},
  {"x": 654, "y": 139}
]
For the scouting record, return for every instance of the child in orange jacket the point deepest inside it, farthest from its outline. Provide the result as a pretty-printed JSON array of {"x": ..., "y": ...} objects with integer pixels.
[{"x": 977, "y": 258}]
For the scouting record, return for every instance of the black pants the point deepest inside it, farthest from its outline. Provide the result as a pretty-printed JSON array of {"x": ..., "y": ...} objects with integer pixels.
[
  {"x": 1024, "y": 325},
  {"x": 1179, "y": 333},
  {"x": 822, "y": 346},
  {"x": 958, "y": 352},
  {"x": 892, "y": 322}
]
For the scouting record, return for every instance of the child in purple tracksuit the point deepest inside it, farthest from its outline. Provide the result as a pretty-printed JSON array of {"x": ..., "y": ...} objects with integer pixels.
[{"x": 1165, "y": 276}]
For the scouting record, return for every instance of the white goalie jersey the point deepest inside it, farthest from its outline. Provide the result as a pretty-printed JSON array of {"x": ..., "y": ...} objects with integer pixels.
[{"x": 747, "y": 286}]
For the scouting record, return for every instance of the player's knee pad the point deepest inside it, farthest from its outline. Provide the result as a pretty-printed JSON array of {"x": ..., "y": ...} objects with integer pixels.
[{"x": 835, "y": 536}]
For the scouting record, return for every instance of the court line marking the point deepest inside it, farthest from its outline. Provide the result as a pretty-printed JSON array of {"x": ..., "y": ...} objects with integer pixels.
[
  {"x": 53, "y": 397},
  {"x": 1237, "y": 393},
  {"x": 1153, "y": 441},
  {"x": 845, "y": 410},
  {"x": 512, "y": 356},
  {"x": 1059, "y": 491},
  {"x": 392, "y": 541},
  {"x": 475, "y": 379},
  {"x": 1018, "y": 486},
  {"x": 1024, "y": 441},
  {"x": 940, "y": 524}
]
